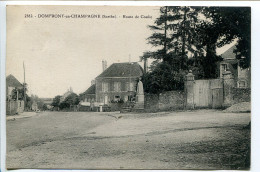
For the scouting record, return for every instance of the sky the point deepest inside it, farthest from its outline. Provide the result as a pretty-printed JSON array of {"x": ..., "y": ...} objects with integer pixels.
[{"x": 59, "y": 53}]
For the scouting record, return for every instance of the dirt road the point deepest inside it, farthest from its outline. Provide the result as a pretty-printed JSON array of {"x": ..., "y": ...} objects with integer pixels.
[{"x": 204, "y": 139}]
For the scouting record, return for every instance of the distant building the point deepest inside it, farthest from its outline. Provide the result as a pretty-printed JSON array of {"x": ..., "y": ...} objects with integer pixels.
[
  {"x": 34, "y": 106},
  {"x": 14, "y": 96},
  {"x": 231, "y": 64}
]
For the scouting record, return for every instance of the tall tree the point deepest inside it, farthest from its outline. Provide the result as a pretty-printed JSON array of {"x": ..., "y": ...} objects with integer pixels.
[
  {"x": 208, "y": 35},
  {"x": 175, "y": 39},
  {"x": 174, "y": 36},
  {"x": 184, "y": 43}
]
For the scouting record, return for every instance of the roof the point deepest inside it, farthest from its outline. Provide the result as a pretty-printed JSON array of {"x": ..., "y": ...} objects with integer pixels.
[
  {"x": 229, "y": 54},
  {"x": 11, "y": 81},
  {"x": 122, "y": 70},
  {"x": 91, "y": 90}
]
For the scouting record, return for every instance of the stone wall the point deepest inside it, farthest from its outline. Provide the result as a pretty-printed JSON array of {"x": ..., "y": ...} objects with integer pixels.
[
  {"x": 151, "y": 102},
  {"x": 241, "y": 95},
  {"x": 171, "y": 100}
]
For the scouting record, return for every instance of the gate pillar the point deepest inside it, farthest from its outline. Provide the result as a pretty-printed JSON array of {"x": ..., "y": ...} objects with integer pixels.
[
  {"x": 189, "y": 90},
  {"x": 228, "y": 85}
]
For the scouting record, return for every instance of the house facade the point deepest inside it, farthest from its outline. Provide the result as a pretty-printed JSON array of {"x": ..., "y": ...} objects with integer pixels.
[
  {"x": 117, "y": 83},
  {"x": 230, "y": 64}
]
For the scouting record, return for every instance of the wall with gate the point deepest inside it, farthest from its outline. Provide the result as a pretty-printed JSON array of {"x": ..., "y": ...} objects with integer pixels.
[
  {"x": 214, "y": 93},
  {"x": 210, "y": 93}
]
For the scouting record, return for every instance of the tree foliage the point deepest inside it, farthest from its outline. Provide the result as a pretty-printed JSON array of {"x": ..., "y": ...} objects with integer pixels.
[
  {"x": 56, "y": 101},
  {"x": 162, "y": 78},
  {"x": 186, "y": 39},
  {"x": 229, "y": 24},
  {"x": 70, "y": 100}
]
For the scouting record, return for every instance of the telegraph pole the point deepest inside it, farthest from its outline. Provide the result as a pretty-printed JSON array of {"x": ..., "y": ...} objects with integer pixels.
[
  {"x": 24, "y": 85},
  {"x": 130, "y": 72}
]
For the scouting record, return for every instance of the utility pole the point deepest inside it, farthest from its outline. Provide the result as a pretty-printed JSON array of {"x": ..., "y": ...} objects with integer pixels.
[
  {"x": 24, "y": 87},
  {"x": 130, "y": 72}
]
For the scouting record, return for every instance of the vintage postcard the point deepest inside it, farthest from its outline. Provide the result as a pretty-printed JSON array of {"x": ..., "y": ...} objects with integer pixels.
[{"x": 128, "y": 87}]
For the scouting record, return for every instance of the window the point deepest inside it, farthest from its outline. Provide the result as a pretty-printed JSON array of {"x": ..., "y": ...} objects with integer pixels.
[
  {"x": 127, "y": 86},
  {"x": 132, "y": 86},
  {"x": 104, "y": 87},
  {"x": 224, "y": 67},
  {"x": 117, "y": 86},
  {"x": 126, "y": 98}
]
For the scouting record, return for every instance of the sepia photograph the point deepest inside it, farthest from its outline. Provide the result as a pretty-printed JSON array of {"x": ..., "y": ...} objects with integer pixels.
[{"x": 128, "y": 87}]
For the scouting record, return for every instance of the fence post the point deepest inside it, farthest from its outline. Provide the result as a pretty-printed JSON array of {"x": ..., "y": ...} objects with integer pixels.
[
  {"x": 189, "y": 91},
  {"x": 228, "y": 85}
]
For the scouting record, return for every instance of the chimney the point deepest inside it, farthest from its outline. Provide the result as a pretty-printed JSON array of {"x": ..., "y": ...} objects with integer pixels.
[
  {"x": 145, "y": 65},
  {"x": 92, "y": 82},
  {"x": 104, "y": 65}
]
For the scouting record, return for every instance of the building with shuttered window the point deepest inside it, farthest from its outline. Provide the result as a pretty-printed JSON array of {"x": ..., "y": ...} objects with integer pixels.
[{"x": 118, "y": 82}]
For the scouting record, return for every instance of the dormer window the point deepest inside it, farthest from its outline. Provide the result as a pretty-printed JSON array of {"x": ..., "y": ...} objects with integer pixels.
[{"x": 224, "y": 67}]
